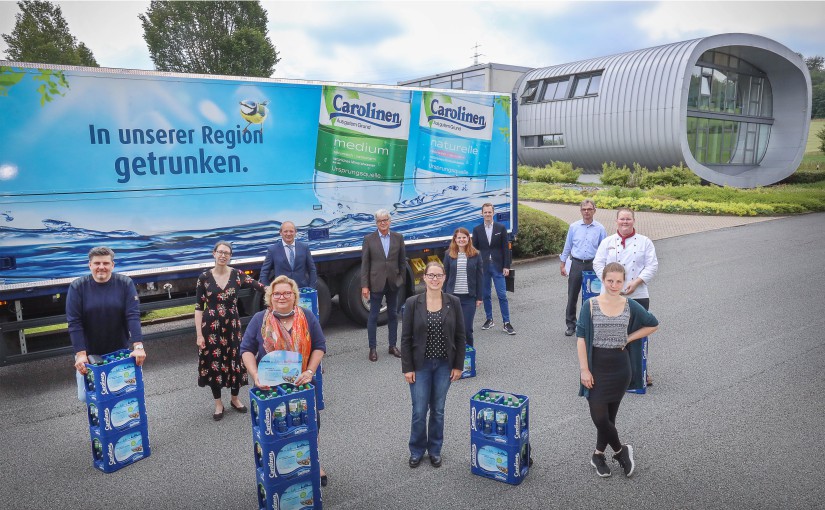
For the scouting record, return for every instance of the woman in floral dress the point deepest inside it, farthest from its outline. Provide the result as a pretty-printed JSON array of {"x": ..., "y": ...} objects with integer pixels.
[{"x": 218, "y": 328}]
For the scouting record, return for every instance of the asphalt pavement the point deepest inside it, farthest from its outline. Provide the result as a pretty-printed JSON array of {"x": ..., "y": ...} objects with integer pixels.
[{"x": 734, "y": 419}]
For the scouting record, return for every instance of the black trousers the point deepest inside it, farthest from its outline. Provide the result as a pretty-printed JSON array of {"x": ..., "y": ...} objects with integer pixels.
[{"x": 574, "y": 287}]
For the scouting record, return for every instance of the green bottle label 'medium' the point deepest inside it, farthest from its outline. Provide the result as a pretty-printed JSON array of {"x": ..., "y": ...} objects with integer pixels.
[{"x": 346, "y": 153}]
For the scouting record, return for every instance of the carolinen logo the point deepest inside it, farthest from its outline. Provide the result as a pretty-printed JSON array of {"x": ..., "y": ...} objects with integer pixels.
[
  {"x": 368, "y": 112},
  {"x": 473, "y": 456},
  {"x": 104, "y": 390},
  {"x": 272, "y": 467},
  {"x": 459, "y": 116},
  {"x": 473, "y": 419},
  {"x": 268, "y": 421},
  {"x": 111, "y": 451},
  {"x": 107, "y": 419}
]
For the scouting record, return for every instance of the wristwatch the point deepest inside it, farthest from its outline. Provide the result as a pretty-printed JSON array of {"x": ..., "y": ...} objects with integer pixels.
[
  {"x": 137, "y": 346},
  {"x": 310, "y": 371}
]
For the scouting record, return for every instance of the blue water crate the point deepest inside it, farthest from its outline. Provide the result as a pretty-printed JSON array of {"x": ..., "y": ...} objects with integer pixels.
[
  {"x": 591, "y": 285},
  {"x": 308, "y": 298},
  {"x": 508, "y": 463},
  {"x": 469, "y": 363},
  {"x": 300, "y": 494},
  {"x": 115, "y": 377},
  {"x": 643, "y": 389},
  {"x": 500, "y": 417},
  {"x": 116, "y": 415},
  {"x": 287, "y": 459},
  {"x": 115, "y": 451},
  {"x": 282, "y": 412}
]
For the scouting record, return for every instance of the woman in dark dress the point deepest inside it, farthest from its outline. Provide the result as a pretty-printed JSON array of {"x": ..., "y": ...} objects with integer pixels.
[
  {"x": 464, "y": 269},
  {"x": 610, "y": 363},
  {"x": 218, "y": 328}
]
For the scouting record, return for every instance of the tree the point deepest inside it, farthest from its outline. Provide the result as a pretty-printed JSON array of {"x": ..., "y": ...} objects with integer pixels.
[
  {"x": 821, "y": 136},
  {"x": 209, "y": 38},
  {"x": 815, "y": 63},
  {"x": 42, "y": 35}
]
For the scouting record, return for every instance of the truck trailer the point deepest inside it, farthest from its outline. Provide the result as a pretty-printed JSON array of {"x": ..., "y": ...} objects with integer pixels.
[{"x": 159, "y": 166}]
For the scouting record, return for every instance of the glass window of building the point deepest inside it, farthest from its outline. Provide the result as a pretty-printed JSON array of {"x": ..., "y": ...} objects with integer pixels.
[
  {"x": 529, "y": 93},
  {"x": 730, "y": 109},
  {"x": 593, "y": 87},
  {"x": 474, "y": 82}
]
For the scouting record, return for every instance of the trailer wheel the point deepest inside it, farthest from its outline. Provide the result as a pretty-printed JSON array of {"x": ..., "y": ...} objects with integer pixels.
[
  {"x": 356, "y": 307},
  {"x": 324, "y": 301}
]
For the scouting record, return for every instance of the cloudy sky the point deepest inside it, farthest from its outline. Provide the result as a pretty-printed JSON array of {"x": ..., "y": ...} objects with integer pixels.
[{"x": 389, "y": 41}]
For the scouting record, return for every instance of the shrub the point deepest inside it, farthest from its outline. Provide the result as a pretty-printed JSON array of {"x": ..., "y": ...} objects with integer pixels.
[
  {"x": 670, "y": 176},
  {"x": 557, "y": 171},
  {"x": 613, "y": 175},
  {"x": 525, "y": 173},
  {"x": 539, "y": 233}
]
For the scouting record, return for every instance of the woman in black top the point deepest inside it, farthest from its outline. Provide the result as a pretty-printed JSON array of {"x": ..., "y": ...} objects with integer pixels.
[{"x": 432, "y": 356}]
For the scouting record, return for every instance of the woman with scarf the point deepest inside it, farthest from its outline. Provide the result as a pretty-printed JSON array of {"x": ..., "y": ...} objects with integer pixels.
[
  {"x": 636, "y": 254},
  {"x": 284, "y": 326}
]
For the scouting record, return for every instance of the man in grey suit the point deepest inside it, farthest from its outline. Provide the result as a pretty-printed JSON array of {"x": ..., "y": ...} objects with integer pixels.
[
  {"x": 291, "y": 258},
  {"x": 383, "y": 268}
]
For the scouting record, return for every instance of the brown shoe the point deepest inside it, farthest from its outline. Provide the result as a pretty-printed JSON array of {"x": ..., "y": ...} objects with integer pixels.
[
  {"x": 394, "y": 351},
  {"x": 373, "y": 355}
]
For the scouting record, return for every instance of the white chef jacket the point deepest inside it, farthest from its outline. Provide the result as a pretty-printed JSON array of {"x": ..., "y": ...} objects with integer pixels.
[{"x": 638, "y": 257}]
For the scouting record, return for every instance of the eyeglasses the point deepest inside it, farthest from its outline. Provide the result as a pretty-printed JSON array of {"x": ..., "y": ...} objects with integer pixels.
[
  {"x": 221, "y": 252},
  {"x": 282, "y": 295},
  {"x": 433, "y": 276},
  {"x": 587, "y": 209},
  {"x": 385, "y": 220}
]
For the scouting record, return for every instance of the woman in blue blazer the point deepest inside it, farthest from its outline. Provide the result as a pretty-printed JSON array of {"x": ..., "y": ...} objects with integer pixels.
[{"x": 465, "y": 270}]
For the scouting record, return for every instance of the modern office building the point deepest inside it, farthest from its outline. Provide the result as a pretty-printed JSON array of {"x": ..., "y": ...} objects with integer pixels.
[
  {"x": 735, "y": 108},
  {"x": 480, "y": 77}
]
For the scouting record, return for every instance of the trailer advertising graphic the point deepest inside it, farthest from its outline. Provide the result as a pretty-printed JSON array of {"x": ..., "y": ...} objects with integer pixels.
[{"x": 159, "y": 166}]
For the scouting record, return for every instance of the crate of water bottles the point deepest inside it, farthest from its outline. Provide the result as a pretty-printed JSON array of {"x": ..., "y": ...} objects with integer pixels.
[
  {"x": 115, "y": 376},
  {"x": 283, "y": 411},
  {"x": 303, "y": 494},
  {"x": 500, "y": 417},
  {"x": 116, "y": 415},
  {"x": 111, "y": 452},
  {"x": 469, "y": 363}
]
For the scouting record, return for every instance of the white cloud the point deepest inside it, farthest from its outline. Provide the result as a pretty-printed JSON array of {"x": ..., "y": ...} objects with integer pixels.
[
  {"x": 8, "y": 172},
  {"x": 674, "y": 21},
  {"x": 211, "y": 112}
]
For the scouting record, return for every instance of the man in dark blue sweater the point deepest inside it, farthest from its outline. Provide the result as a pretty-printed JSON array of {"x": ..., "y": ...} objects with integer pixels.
[{"x": 103, "y": 313}]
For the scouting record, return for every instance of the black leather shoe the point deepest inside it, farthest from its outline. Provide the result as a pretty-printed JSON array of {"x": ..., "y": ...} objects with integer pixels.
[
  {"x": 218, "y": 416},
  {"x": 569, "y": 331},
  {"x": 414, "y": 461},
  {"x": 373, "y": 355},
  {"x": 435, "y": 460},
  {"x": 394, "y": 351}
]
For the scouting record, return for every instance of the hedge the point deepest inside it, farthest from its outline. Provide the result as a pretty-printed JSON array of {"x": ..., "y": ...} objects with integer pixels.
[{"x": 539, "y": 233}]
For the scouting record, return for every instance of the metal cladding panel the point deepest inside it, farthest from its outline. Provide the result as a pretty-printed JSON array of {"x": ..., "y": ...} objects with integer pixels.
[{"x": 632, "y": 119}]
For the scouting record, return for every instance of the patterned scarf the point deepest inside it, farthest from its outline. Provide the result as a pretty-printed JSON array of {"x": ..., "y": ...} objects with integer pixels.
[
  {"x": 628, "y": 236},
  {"x": 277, "y": 338}
]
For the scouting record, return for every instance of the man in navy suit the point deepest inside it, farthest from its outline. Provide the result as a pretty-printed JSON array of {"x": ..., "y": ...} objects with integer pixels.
[
  {"x": 490, "y": 238},
  {"x": 291, "y": 258}
]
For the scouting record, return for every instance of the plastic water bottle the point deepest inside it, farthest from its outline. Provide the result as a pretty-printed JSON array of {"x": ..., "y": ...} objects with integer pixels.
[
  {"x": 501, "y": 423},
  {"x": 489, "y": 420},
  {"x": 523, "y": 414},
  {"x": 295, "y": 408},
  {"x": 362, "y": 149},
  {"x": 280, "y": 418},
  {"x": 304, "y": 410},
  {"x": 453, "y": 153},
  {"x": 93, "y": 418},
  {"x": 97, "y": 449}
]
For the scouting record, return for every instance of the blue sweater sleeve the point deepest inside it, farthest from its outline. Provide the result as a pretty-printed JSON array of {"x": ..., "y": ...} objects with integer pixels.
[{"x": 132, "y": 312}]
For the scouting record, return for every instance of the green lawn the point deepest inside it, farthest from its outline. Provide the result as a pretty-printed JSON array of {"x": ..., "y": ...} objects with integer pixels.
[{"x": 813, "y": 141}]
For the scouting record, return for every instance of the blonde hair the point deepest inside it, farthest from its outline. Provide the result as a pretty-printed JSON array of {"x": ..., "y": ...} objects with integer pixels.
[{"x": 271, "y": 288}]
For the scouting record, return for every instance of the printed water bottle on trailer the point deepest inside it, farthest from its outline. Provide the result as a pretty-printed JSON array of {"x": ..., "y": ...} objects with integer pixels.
[
  {"x": 453, "y": 153},
  {"x": 362, "y": 149}
]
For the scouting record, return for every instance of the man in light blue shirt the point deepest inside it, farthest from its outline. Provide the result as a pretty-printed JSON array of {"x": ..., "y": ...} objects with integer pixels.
[{"x": 583, "y": 238}]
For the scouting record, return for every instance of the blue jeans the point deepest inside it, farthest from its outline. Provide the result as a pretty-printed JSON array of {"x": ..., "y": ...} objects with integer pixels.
[
  {"x": 392, "y": 315},
  {"x": 429, "y": 391},
  {"x": 497, "y": 277},
  {"x": 468, "y": 308}
]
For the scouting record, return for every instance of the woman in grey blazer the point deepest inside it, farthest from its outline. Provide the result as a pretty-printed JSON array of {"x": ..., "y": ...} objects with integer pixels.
[
  {"x": 432, "y": 356},
  {"x": 465, "y": 271}
]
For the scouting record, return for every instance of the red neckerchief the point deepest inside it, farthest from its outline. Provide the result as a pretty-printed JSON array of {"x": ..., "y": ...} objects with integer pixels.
[{"x": 625, "y": 238}]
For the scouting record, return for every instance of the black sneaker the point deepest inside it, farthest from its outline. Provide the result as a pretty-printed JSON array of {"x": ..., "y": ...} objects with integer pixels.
[
  {"x": 487, "y": 324},
  {"x": 625, "y": 459},
  {"x": 508, "y": 328},
  {"x": 598, "y": 461}
]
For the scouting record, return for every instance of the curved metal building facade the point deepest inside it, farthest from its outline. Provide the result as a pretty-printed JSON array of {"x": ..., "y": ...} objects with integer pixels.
[{"x": 735, "y": 108}]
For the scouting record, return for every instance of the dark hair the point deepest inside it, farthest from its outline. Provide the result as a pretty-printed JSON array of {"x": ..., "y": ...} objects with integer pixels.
[
  {"x": 222, "y": 243},
  {"x": 613, "y": 267},
  {"x": 101, "y": 251}
]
